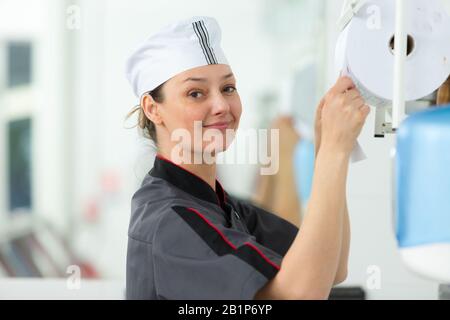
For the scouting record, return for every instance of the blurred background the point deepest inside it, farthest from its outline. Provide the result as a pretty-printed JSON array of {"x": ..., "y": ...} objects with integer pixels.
[{"x": 70, "y": 162}]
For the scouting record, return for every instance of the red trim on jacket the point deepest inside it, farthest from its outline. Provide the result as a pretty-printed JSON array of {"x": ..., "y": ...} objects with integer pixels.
[
  {"x": 228, "y": 241},
  {"x": 222, "y": 189}
]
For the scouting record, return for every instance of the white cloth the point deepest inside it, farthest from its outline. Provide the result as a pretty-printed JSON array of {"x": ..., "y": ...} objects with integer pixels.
[{"x": 176, "y": 48}]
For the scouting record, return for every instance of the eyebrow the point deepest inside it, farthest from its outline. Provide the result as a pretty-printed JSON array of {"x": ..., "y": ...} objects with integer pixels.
[{"x": 204, "y": 79}]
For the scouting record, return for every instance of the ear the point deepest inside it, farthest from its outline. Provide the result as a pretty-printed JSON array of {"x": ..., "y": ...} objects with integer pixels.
[{"x": 151, "y": 109}]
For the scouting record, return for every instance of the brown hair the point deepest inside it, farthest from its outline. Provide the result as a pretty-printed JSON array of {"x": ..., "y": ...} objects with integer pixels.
[
  {"x": 145, "y": 124},
  {"x": 444, "y": 93}
]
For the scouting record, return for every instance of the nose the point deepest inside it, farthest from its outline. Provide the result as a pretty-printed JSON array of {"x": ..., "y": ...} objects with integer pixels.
[{"x": 220, "y": 105}]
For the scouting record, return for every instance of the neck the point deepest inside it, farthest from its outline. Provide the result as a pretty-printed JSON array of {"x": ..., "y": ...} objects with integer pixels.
[{"x": 206, "y": 172}]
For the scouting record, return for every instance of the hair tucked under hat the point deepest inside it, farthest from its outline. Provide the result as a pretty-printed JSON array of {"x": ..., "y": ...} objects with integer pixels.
[{"x": 145, "y": 124}]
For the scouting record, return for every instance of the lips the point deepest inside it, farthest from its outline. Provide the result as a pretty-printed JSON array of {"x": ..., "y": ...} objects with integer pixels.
[{"x": 218, "y": 125}]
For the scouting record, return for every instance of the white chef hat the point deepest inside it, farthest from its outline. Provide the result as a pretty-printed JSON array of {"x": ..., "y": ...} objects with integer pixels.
[{"x": 178, "y": 47}]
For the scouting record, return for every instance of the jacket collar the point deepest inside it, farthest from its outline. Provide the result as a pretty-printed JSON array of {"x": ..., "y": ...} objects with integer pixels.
[{"x": 187, "y": 181}]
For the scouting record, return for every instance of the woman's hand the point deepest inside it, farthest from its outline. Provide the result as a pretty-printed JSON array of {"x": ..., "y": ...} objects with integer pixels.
[{"x": 340, "y": 117}]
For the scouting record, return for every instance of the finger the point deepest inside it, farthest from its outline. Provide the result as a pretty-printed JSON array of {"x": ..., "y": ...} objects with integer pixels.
[
  {"x": 362, "y": 113},
  {"x": 352, "y": 94},
  {"x": 365, "y": 110},
  {"x": 357, "y": 103},
  {"x": 342, "y": 85}
]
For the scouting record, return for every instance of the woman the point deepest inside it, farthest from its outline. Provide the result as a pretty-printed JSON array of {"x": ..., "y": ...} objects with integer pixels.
[{"x": 188, "y": 238}]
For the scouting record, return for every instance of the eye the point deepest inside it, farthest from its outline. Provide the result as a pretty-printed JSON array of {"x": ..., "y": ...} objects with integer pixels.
[
  {"x": 230, "y": 89},
  {"x": 195, "y": 94}
]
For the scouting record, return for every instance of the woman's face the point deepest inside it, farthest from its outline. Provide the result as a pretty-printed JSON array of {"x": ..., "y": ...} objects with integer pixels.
[{"x": 201, "y": 103}]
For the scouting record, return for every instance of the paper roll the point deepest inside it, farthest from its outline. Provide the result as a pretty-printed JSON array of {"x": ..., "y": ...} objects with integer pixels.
[{"x": 365, "y": 50}]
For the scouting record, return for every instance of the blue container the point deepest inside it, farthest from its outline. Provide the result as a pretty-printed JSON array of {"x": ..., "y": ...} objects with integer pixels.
[
  {"x": 304, "y": 169},
  {"x": 423, "y": 179}
]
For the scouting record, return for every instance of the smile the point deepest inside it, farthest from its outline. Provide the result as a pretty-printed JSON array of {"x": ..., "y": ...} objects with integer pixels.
[{"x": 219, "y": 125}]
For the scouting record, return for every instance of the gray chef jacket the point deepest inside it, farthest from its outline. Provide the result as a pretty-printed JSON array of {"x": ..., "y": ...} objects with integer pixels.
[{"x": 187, "y": 241}]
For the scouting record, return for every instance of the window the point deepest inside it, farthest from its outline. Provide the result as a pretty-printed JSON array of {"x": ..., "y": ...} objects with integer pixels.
[
  {"x": 19, "y": 164},
  {"x": 19, "y": 55}
]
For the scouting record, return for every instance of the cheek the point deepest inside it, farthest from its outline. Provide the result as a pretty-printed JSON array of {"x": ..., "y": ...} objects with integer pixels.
[
  {"x": 236, "y": 109},
  {"x": 191, "y": 115}
]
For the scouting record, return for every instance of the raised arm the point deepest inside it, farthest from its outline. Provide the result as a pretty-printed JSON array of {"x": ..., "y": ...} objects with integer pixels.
[{"x": 310, "y": 266}]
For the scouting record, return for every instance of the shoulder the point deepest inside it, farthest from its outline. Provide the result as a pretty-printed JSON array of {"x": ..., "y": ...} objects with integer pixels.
[
  {"x": 158, "y": 206},
  {"x": 149, "y": 204}
]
